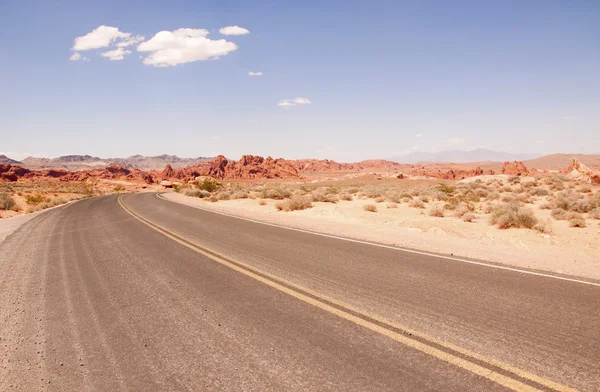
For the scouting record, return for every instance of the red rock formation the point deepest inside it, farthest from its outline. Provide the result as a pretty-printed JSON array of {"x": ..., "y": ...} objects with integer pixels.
[
  {"x": 514, "y": 168},
  {"x": 580, "y": 172},
  {"x": 9, "y": 172},
  {"x": 251, "y": 166},
  {"x": 448, "y": 174}
]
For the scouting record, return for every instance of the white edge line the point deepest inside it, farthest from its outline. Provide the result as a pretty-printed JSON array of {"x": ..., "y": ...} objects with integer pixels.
[{"x": 397, "y": 248}]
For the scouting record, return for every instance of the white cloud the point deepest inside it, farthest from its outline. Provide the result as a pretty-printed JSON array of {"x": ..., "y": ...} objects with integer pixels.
[
  {"x": 131, "y": 41},
  {"x": 101, "y": 37},
  {"x": 254, "y": 73},
  {"x": 419, "y": 135},
  {"x": 287, "y": 103},
  {"x": 169, "y": 48},
  {"x": 76, "y": 57},
  {"x": 233, "y": 30},
  {"x": 456, "y": 140},
  {"x": 117, "y": 54}
]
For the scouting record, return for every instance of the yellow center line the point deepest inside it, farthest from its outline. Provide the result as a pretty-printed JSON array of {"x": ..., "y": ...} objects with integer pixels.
[{"x": 462, "y": 363}]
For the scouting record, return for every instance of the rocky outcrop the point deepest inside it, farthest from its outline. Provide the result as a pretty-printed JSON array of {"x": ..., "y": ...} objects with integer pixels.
[
  {"x": 449, "y": 174},
  {"x": 251, "y": 167},
  {"x": 10, "y": 172},
  {"x": 516, "y": 168},
  {"x": 580, "y": 172}
]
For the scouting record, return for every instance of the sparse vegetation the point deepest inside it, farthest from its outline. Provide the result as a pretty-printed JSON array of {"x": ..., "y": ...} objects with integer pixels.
[
  {"x": 7, "y": 202},
  {"x": 121, "y": 188},
  {"x": 294, "y": 204},
  {"x": 507, "y": 215},
  {"x": 436, "y": 211},
  {"x": 209, "y": 185},
  {"x": 416, "y": 203}
]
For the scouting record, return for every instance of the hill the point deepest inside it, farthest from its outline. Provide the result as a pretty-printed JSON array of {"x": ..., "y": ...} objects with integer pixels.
[
  {"x": 561, "y": 161},
  {"x": 460, "y": 156},
  {"x": 7, "y": 160},
  {"x": 87, "y": 162}
]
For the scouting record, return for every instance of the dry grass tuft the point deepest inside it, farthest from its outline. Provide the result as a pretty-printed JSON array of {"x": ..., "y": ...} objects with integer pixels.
[
  {"x": 436, "y": 211},
  {"x": 296, "y": 203},
  {"x": 416, "y": 203},
  {"x": 509, "y": 215},
  {"x": 370, "y": 207},
  {"x": 468, "y": 217}
]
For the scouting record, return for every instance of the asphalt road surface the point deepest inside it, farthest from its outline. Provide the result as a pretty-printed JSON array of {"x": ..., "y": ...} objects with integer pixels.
[{"x": 143, "y": 294}]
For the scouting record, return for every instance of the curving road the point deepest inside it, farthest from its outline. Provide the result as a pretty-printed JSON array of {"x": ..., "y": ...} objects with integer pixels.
[{"x": 140, "y": 293}]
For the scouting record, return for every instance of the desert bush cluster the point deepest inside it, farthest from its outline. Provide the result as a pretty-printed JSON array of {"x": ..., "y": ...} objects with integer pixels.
[{"x": 514, "y": 202}]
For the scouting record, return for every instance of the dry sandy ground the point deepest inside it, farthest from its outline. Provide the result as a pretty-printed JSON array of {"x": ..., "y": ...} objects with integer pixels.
[{"x": 571, "y": 251}]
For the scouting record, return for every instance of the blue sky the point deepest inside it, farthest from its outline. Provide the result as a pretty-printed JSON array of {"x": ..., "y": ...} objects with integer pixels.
[{"x": 382, "y": 78}]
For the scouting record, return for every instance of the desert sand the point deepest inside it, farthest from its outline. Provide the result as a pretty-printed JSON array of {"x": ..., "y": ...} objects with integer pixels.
[{"x": 566, "y": 251}]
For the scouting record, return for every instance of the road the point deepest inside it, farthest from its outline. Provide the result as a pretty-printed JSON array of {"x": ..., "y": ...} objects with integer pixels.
[{"x": 141, "y": 293}]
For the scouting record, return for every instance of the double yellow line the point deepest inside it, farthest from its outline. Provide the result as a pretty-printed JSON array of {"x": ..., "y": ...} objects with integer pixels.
[{"x": 491, "y": 369}]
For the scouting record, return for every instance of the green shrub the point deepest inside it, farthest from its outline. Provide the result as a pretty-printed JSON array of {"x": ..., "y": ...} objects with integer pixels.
[
  {"x": 121, "y": 188},
  {"x": 209, "y": 185},
  {"x": 34, "y": 199},
  {"x": 445, "y": 188}
]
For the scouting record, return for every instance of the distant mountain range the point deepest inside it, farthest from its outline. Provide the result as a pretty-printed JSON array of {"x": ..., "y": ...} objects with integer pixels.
[
  {"x": 460, "y": 156},
  {"x": 5, "y": 159},
  {"x": 84, "y": 162}
]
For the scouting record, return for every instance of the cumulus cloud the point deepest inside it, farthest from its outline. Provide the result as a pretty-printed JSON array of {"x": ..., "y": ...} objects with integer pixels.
[
  {"x": 169, "y": 48},
  {"x": 101, "y": 37},
  {"x": 233, "y": 30},
  {"x": 288, "y": 103},
  {"x": 76, "y": 57},
  {"x": 254, "y": 73},
  {"x": 131, "y": 41},
  {"x": 117, "y": 54}
]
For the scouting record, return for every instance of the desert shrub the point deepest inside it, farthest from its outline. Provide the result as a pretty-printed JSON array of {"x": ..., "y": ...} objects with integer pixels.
[
  {"x": 294, "y": 204},
  {"x": 539, "y": 192},
  {"x": 425, "y": 199},
  {"x": 223, "y": 195},
  {"x": 196, "y": 193},
  {"x": 445, "y": 188},
  {"x": 415, "y": 192},
  {"x": 346, "y": 196},
  {"x": 34, "y": 199},
  {"x": 544, "y": 227},
  {"x": 332, "y": 190},
  {"x": 436, "y": 211},
  {"x": 372, "y": 193},
  {"x": 462, "y": 209},
  {"x": 508, "y": 198},
  {"x": 331, "y": 198},
  {"x": 509, "y": 215},
  {"x": 239, "y": 195},
  {"x": 262, "y": 203},
  {"x": 482, "y": 192},
  {"x": 406, "y": 195},
  {"x": 514, "y": 179},
  {"x": 277, "y": 193},
  {"x": 548, "y": 206},
  {"x": 406, "y": 199},
  {"x": 121, "y": 188},
  {"x": 468, "y": 217},
  {"x": 394, "y": 198},
  {"x": 585, "y": 189},
  {"x": 318, "y": 196},
  {"x": 352, "y": 190},
  {"x": 7, "y": 202},
  {"x": 595, "y": 213},
  {"x": 370, "y": 207},
  {"x": 577, "y": 221},
  {"x": 581, "y": 206},
  {"x": 493, "y": 196},
  {"x": 212, "y": 199},
  {"x": 379, "y": 199},
  {"x": 209, "y": 185},
  {"x": 416, "y": 203},
  {"x": 47, "y": 203},
  {"x": 392, "y": 205},
  {"x": 488, "y": 207},
  {"x": 559, "y": 214}
]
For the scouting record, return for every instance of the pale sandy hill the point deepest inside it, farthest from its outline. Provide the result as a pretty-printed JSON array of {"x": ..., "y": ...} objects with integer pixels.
[{"x": 561, "y": 161}]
